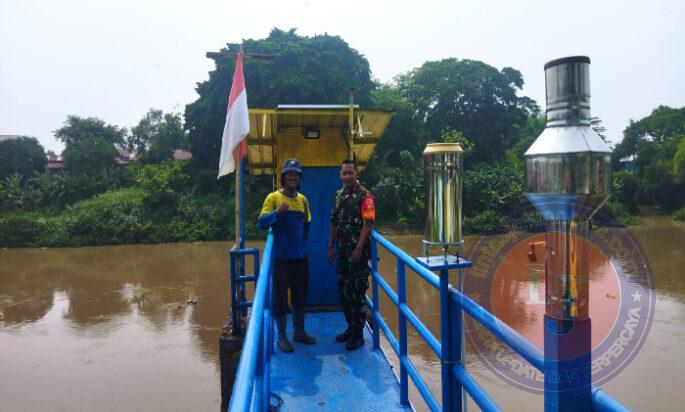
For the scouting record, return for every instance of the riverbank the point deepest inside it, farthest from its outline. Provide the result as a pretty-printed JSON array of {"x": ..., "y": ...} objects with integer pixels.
[{"x": 120, "y": 218}]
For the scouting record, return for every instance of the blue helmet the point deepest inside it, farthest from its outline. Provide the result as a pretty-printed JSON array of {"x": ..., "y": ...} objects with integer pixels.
[{"x": 292, "y": 165}]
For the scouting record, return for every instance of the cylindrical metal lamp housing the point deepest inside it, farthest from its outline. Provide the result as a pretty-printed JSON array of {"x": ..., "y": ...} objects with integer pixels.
[
  {"x": 568, "y": 167},
  {"x": 567, "y": 82},
  {"x": 568, "y": 178},
  {"x": 568, "y": 175},
  {"x": 443, "y": 195}
]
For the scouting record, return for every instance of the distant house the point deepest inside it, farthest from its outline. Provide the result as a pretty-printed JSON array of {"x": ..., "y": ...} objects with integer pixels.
[
  {"x": 126, "y": 157},
  {"x": 56, "y": 162},
  {"x": 628, "y": 163},
  {"x": 182, "y": 155}
]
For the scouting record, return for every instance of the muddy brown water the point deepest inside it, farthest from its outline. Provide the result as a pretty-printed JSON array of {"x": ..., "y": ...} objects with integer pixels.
[{"x": 110, "y": 328}]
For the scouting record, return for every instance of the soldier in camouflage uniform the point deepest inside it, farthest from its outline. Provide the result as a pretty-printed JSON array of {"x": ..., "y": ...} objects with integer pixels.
[{"x": 351, "y": 219}]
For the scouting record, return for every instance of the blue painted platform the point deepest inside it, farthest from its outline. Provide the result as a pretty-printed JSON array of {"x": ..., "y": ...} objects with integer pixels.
[{"x": 325, "y": 376}]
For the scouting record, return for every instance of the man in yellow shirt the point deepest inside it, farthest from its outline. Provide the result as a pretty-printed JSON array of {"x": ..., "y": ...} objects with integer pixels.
[{"x": 286, "y": 211}]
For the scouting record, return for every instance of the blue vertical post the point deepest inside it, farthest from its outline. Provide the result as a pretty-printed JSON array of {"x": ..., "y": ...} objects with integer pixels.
[
  {"x": 460, "y": 331},
  {"x": 374, "y": 292},
  {"x": 450, "y": 336},
  {"x": 235, "y": 323},
  {"x": 402, "y": 320},
  {"x": 567, "y": 323},
  {"x": 567, "y": 365}
]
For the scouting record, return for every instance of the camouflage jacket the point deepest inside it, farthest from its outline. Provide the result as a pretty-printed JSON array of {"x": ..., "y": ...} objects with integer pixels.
[{"x": 352, "y": 209}]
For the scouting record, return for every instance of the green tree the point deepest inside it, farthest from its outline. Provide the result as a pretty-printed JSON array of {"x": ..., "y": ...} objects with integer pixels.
[
  {"x": 625, "y": 190},
  {"x": 654, "y": 141},
  {"x": 23, "y": 155},
  {"x": 12, "y": 193},
  {"x": 679, "y": 160},
  {"x": 163, "y": 183},
  {"x": 405, "y": 131},
  {"x": 303, "y": 70},
  {"x": 157, "y": 135},
  {"x": 664, "y": 123},
  {"x": 89, "y": 144},
  {"x": 469, "y": 96},
  {"x": 526, "y": 135},
  {"x": 455, "y": 136},
  {"x": 45, "y": 185}
]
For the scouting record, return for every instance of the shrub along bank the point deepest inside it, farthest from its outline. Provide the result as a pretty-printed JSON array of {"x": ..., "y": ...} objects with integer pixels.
[{"x": 162, "y": 205}]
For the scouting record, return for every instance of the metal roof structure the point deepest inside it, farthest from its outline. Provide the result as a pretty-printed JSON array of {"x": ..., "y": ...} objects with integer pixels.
[{"x": 277, "y": 134}]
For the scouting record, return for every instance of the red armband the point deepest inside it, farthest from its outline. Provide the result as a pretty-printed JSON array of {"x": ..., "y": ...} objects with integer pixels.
[{"x": 368, "y": 208}]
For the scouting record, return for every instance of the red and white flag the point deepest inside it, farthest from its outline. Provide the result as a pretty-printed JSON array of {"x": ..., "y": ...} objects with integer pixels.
[{"x": 233, "y": 143}]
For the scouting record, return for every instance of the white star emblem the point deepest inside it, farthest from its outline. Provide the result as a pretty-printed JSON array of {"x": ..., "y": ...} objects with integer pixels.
[{"x": 636, "y": 296}]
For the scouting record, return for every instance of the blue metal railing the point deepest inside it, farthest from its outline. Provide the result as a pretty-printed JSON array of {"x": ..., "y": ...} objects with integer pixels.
[
  {"x": 449, "y": 349},
  {"x": 453, "y": 302},
  {"x": 251, "y": 390},
  {"x": 239, "y": 302}
]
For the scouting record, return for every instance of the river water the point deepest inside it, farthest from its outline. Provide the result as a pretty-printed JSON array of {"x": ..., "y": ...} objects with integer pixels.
[{"x": 111, "y": 328}]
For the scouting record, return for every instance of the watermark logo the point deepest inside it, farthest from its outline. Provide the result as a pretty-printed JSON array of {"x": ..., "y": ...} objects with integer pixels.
[{"x": 508, "y": 279}]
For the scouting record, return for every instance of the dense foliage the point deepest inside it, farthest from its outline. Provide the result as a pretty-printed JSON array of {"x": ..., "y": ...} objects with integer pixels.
[
  {"x": 304, "y": 70},
  {"x": 158, "y": 206},
  {"x": 656, "y": 144},
  {"x": 157, "y": 135},
  {"x": 90, "y": 144},
  {"x": 472, "y": 97},
  {"x": 22, "y": 155}
]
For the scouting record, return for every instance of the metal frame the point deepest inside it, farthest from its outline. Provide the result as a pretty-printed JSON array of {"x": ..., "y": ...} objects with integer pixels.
[
  {"x": 239, "y": 302},
  {"x": 453, "y": 304},
  {"x": 252, "y": 389},
  {"x": 454, "y": 377}
]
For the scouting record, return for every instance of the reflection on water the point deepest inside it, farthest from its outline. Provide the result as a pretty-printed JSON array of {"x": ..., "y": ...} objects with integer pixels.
[
  {"x": 656, "y": 367},
  {"x": 110, "y": 327}
]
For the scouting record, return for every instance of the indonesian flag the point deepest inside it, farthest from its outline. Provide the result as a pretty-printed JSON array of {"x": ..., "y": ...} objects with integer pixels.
[{"x": 233, "y": 144}]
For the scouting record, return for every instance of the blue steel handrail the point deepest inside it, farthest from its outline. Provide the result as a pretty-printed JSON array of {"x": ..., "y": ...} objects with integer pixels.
[
  {"x": 251, "y": 390},
  {"x": 600, "y": 400},
  {"x": 239, "y": 302}
]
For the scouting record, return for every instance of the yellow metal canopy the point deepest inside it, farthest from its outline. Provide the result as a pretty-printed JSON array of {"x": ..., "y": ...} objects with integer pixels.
[{"x": 277, "y": 134}]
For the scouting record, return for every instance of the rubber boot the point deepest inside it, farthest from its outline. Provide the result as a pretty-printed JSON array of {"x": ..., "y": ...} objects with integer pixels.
[
  {"x": 343, "y": 337},
  {"x": 298, "y": 323},
  {"x": 355, "y": 340},
  {"x": 283, "y": 343}
]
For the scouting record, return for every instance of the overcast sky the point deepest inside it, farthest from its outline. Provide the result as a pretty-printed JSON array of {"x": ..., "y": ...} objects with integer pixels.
[{"x": 116, "y": 59}]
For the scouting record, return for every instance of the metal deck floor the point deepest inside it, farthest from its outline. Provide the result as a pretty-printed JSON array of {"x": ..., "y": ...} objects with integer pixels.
[{"x": 325, "y": 376}]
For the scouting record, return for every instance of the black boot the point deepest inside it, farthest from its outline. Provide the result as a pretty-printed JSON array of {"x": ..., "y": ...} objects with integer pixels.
[
  {"x": 298, "y": 323},
  {"x": 356, "y": 340},
  {"x": 283, "y": 343},
  {"x": 343, "y": 337}
]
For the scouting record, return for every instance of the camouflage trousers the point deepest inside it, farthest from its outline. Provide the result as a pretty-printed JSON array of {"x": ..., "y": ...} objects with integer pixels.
[{"x": 353, "y": 281}]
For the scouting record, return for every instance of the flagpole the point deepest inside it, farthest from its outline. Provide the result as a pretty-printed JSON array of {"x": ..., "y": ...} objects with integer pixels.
[
  {"x": 237, "y": 205},
  {"x": 238, "y": 194},
  {"x": 243, "y": 163}
]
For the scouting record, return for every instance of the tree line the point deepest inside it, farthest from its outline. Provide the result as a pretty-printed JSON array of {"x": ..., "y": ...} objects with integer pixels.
[{"x": 157, "y": 199}]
